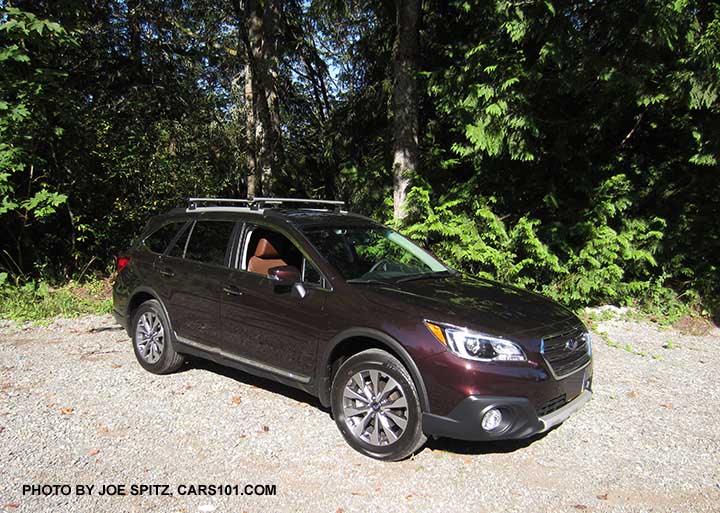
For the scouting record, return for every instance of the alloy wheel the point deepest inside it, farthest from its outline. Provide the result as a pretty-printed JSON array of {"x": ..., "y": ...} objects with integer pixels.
[
  {"x": 150, "y": 337},
  {"x": 375, "y": 407}
]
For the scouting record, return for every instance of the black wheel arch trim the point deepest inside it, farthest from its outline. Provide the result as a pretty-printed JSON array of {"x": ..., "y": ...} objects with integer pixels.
[
  {"x": 146, "y": 290},
  {"x": 324, "y": 380}
]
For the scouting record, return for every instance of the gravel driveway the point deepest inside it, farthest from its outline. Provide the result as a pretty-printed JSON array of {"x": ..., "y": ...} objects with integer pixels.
[{"x": 75, "y": 408}]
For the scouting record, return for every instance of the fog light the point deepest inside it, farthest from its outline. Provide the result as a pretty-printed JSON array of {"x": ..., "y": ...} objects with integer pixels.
[{"x": 491, "y": 420}]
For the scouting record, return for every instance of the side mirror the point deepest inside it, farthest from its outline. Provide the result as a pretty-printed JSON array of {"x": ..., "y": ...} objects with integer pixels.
[
  {"x": 284, "y": 275},
  {"x": 298, "y": 291}
]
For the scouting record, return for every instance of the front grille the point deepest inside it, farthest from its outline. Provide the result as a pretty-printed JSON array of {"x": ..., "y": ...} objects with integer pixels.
[
  {"x": 567, "y": 352},
  {"x": 552, "y": 405}
]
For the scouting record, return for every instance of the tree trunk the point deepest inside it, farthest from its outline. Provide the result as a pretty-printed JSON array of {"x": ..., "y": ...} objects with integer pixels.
[
  {"x": 259, "y": 24},
  {"x": 270, "y": 66},
  {"x": 250, "y": 134},
  {"x": 134, "y": 32},
  {"x": 405, "y": 103}
]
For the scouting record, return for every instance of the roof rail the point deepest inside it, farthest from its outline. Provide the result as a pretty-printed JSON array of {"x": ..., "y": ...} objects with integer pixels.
[
  {"x": 194, "y": 203},
  {"x": 259, "y": 203}
]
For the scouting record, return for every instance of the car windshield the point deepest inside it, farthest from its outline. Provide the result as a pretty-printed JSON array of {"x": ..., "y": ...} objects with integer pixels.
[{"x": 368, "y": 253}]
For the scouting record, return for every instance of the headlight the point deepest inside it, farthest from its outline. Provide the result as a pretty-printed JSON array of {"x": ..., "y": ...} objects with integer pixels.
[{"x": 474, "y": 345}]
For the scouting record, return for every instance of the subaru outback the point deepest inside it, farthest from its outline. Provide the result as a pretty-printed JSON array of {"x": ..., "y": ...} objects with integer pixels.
[{"x": 398, "y": 345}]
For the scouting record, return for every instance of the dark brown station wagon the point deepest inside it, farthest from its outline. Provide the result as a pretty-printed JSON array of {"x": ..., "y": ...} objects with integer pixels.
[{"x": 396, "y": 343}]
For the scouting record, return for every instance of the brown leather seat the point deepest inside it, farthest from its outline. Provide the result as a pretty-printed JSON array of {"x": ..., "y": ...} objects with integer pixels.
[{"x": 266, "y": 257}]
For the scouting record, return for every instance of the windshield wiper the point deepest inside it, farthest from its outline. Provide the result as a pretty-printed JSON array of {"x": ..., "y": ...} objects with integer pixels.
[
  {"x": 422, "y": 276},
  {"x": 368, "y": 282}
]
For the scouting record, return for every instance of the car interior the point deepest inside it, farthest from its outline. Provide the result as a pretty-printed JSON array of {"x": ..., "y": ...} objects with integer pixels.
[{"x": 267, "y": 249}]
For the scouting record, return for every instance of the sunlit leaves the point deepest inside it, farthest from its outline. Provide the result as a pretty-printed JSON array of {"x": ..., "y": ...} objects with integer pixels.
[
  {"x": 33, "y": 200},
  {"x": 613, "y": 251}
]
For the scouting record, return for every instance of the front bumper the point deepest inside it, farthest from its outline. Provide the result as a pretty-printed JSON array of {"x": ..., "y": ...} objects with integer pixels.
[{"x": 520, "y": 418}]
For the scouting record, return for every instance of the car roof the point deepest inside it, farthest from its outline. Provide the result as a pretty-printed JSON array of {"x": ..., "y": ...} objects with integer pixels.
[
  {"x": 309, "y": 218},
  {"x": 302, "y": 218}
]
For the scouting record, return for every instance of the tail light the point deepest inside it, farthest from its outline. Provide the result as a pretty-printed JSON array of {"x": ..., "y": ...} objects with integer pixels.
[{"x": 122, "y": 262}]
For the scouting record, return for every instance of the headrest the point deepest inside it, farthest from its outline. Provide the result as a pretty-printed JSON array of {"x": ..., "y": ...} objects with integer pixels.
[{"x": 266, "y": 250}]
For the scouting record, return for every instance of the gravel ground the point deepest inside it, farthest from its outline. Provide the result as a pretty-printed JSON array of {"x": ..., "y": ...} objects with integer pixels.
[{"x": 75, "y": 408}]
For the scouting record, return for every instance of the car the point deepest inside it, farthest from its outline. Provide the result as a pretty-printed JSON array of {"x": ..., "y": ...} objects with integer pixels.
[{"x": 395, "y": 343}]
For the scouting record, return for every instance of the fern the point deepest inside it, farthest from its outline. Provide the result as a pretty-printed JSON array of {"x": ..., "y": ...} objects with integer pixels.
[{"x": 613, "y": 260}]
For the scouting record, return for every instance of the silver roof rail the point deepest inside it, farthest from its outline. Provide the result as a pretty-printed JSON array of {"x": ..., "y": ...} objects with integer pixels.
[
  {"x": 194, "y": 203},
  {"x": 260, "y": 203}
]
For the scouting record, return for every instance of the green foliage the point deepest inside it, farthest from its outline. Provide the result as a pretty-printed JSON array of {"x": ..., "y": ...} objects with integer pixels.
[
  {"x": 614, "y": 259},
  {"x": 101, "y": 133},
  {"x": 605, "y": 157},
  {"x": 564, "y": 147},
  {"x": 468, "y": 235},
  {"x": 22, "y": 83},
  {"x": 37, "y": 301},
  {"x": 611, "y": 259}
]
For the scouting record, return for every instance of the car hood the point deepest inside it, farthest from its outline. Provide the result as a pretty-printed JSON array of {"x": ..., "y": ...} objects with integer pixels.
[{"x": 475, "y": 303}]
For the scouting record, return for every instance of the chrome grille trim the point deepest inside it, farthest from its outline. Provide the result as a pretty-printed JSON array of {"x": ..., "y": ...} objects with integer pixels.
[{"x": 561, "y": 360}]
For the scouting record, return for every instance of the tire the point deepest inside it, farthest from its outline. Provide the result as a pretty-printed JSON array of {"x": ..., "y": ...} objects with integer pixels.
[
  {"x": 154, "y": 352},
  {"x": 377, "y": 421}
]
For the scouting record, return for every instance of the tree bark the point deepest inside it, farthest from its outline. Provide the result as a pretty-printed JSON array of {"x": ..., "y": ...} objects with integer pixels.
[
  {"x": 250, "y": 134},
  {"x": 259, "y": 25},
  {"x": 405, "y": 103},
  {"x": 272, "y": 17},
  {"x": 134, "y": 32}
]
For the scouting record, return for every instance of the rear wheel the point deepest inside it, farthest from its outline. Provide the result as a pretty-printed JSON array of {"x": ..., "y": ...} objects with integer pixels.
[
  {"x": 152, "y": 339},
  {"x": 376, "y": 406}
]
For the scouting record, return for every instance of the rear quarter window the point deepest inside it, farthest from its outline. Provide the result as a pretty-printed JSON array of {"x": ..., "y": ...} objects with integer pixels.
[
  {"x": 209, "y": 241},
  {"x": 158, "y": 241}
]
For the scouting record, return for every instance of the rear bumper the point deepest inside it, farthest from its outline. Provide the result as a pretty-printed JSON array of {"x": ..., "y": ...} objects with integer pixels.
[
  {"x": 520, "y": 418},
  {"x": 121, "y": 319}
]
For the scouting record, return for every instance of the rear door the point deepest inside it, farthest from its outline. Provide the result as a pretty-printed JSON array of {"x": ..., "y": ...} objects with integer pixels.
[
  {"x": 265, "y": 324},
  {"x": 195, "y": 270},
  {"x": 149, "y": 256}
]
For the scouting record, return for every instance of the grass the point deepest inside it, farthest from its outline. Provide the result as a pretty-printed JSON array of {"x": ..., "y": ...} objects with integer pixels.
[
  {"x": 627, "y": 347},
  {"x": 39, "y": 302}
]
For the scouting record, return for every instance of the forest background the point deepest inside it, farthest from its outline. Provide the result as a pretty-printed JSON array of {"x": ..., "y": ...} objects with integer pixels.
[{"x": 569, "y": 147}]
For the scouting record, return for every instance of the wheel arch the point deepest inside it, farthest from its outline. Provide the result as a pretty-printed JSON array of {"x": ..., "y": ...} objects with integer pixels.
[
  {"x": 351, "y": 342},
  {"x": 139, "y": 296}
]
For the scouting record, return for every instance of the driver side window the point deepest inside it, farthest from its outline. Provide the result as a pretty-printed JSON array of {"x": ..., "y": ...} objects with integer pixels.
[{"x": 264, "y": 249}]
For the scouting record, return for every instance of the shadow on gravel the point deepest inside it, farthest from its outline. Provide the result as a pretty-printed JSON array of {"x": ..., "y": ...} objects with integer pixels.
[
  {"x": 479, "y": 448},
  {"x": 106, "y": 328},
  {"x": 249, "y": 379},
  {"x": 439, "y": 444}
]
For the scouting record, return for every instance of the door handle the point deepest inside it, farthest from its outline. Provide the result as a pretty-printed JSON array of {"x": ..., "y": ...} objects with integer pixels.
[
  {"x": 166, "y": 272},
  {"x": 231, "y": 290}
]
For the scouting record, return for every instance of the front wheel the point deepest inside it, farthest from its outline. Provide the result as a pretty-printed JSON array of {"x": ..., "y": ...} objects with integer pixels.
[
  {"x": 376, "y": 406},
  {"x": 152, "y": 339}
]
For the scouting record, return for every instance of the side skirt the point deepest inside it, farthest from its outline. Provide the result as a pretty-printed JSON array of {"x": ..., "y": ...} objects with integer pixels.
[{"x": 253, "y": 367}]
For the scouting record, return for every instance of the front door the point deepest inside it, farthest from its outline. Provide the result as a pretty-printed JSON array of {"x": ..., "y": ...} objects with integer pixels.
[{"x": 267, "y": 324}]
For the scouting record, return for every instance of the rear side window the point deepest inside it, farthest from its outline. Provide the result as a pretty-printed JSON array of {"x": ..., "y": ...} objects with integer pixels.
[
  {"x": 178, "y": 249},
  {"x": 158, "y": 241},
  {"x": 208, "y": 241}
]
